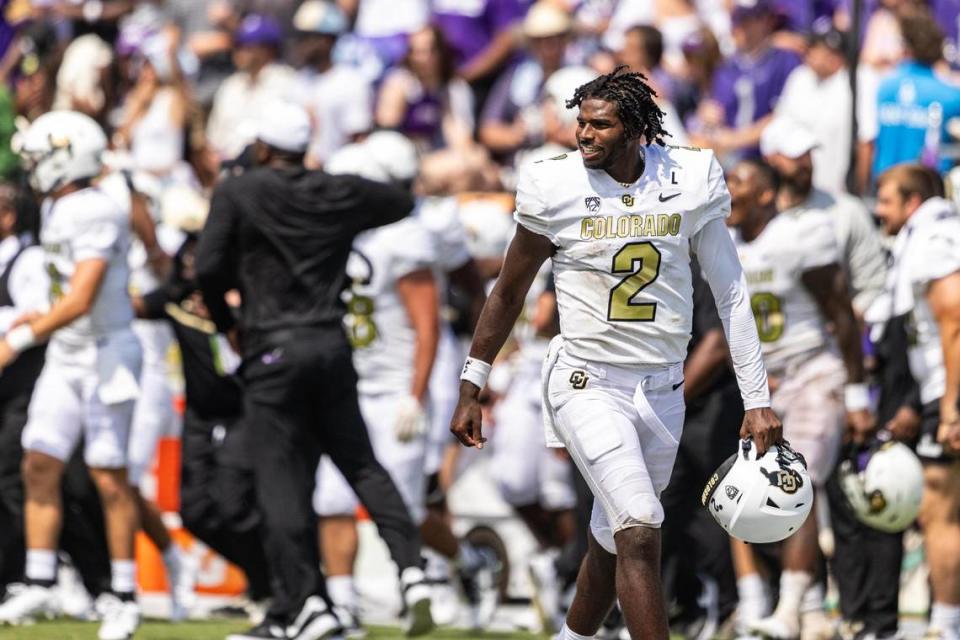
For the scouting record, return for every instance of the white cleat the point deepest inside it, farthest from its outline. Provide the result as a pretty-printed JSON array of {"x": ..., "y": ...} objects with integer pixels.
[
  {"x": 316, "y": 621},
  {"x": 416, "y": 598},
  {"x": 777, "y": 627},
  {"x": 182, "y": 570},
  {"x": 119, "y": 619},
  {"x": 74, "y": 600},
  {"x": 27, "y": 604}
]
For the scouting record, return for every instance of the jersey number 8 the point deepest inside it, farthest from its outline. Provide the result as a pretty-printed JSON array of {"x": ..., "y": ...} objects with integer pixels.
[{"x": 622, "y": 308}]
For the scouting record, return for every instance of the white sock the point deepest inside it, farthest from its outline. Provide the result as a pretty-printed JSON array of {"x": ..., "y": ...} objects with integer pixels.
[
  {"x": 793, "y": 586},
  {"x": 342, "y": 592},
  {"x": 123, "y": 576},
  {"x": 812, "y": 599},
  {"x": 754, "y": 601},
  {"x": 946, "y": 617},
  {"x": 567, "y": 634},
  {"x": 41, "y": 565}
]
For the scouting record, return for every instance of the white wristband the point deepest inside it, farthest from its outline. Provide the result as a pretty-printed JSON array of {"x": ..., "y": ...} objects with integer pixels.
[
  {"x": 856, "y": 396},
  {"x": 21, "y": 338},
  {"x": 475, "y": 372}
]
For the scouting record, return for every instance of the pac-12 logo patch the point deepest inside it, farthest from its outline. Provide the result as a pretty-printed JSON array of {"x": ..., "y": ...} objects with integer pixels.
[
  {"x": 731, "y": 491},
  {"x": 578, "y": 379},
  {"x": 593, "y": 203}
]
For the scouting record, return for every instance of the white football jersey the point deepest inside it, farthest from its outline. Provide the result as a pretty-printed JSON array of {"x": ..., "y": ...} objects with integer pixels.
[
  {"x": 376, "y": 321},
  {"x": 622, "y": 264},
  {"x": 927, "y": 248},
  {"x": 81, "y": 226},
  {"x": 789, "y": 321}
]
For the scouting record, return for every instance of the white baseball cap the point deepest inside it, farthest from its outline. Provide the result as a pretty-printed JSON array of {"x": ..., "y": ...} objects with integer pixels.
[
  {"x": 787, "y": 137},
  {"x": 544, "y": 19},
  {"x": 284, "y": 125},
  {"x": 355, "y": 159},
  {"x": 320, "y": 16}
]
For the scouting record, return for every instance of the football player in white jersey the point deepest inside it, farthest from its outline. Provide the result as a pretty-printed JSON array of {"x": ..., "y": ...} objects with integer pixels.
[
  {"x": 393, "y": 324},
  {"x": 88, "y": 385},
  {"x": 154, "y": 416},
  {"x": 924, "y": 282},
  {"x": 797, "y": 287},
  {"x": 619, "y": 220}
]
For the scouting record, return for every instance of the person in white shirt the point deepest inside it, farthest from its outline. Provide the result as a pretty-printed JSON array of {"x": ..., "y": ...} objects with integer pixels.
[
  {"x": 258, "y": 82},
  {"x": 619, "y": 221},
  {"x": 89, "y": 383},
  {"x": 924, "y": 282},
  {"x": 823, "y": 79},
  {"x": 797, "y": 287},
  {"x": 338, "y": 97},
  {"x": 788, "y": 147}
]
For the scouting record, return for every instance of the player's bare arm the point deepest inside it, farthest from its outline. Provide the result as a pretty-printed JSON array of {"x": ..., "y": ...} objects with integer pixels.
[
  {"x": 77, "y": 302},
  {"x": 828, "y": 287},
  {"x": 526, "y": 253},
  {"x": 721, "y": 268},
  {"x": 944, "y": 299}
]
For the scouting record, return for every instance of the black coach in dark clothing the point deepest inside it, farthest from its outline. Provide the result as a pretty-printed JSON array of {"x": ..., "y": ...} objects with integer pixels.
[{"x": 281, "y": 234}]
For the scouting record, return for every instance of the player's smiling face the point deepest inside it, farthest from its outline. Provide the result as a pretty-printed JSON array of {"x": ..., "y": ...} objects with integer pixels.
[{"x": 600, "y": 134}]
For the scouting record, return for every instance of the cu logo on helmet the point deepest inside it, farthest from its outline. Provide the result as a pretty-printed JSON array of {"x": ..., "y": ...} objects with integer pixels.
[{"x": 788, "y": 481}]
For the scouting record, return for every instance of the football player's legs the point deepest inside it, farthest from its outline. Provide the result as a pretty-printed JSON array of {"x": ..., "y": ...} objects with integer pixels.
[
  {"x": 404, "y": 461},
  {"x": 106, "y": 431},
  {"x": 516, "y": 442},
  {"x": 54, "y": 426},
  {"x": 596, "y": 583},
  {"x": 558, "y": 496},
  {"x": 336, "y": 504},
  {"x": 940, "y": 519}
]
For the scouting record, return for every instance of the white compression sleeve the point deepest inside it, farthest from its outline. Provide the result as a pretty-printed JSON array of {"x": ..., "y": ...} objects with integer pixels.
[{"x": 721, "y": 268}]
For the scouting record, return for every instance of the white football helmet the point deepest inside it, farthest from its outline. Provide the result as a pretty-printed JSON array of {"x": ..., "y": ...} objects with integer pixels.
[
  {"x": 61, "y": 147},
  {"x": 884, "y": 486},
  {"x": 395, "y": 154},
  {"x": 760, "y": 500}
]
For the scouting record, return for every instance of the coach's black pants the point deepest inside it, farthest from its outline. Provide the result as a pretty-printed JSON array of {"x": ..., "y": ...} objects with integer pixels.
[
  {"x": 218, "y": 497},
  {"x": 301, "y": 401},
  {"x": 693, "y": 543},
  {"x": 866, "y": 564}
]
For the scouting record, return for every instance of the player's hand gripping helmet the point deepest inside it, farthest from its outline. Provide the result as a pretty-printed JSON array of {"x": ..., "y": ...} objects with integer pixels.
[
  {"x": 884, "y": 486},
  {"x": 760, "y": 500},
  {"x": 61, "y": 147}
]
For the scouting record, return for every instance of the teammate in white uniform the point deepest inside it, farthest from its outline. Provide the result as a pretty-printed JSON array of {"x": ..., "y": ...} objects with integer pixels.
[
  {"x": 925, "y": 283},
  {"x": 154, "y": 415},
  {"x": 392, "y": 322},
  {"x": 88, "y": 385},
  {"x": 797, "y": 286},
  {"x": 619, "y": 221}
]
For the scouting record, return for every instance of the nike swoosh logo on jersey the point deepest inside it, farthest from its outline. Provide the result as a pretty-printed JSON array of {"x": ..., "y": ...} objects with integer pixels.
[
  {"x": 677, "y": 386},
  {"x": 669, "y": 197}
]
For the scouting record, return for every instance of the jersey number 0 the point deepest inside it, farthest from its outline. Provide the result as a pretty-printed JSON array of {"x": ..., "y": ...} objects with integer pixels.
[{"x": 621, "y": 307}]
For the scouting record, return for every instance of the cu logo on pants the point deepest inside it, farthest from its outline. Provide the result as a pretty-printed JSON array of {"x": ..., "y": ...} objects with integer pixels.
[{"x": 578, "y": 380}]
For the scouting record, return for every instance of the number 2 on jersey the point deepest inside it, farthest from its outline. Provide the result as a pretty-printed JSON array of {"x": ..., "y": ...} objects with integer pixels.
[{"x": 621, "y": 307}]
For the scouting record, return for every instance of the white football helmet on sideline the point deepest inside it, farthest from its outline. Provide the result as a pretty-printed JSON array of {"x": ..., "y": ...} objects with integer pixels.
[
  {"x": 884, "y": 489},
  {"x": 395, "y": 154},
  {"x": 760, "y": 500},
  {"x": 61, "y": 147}
]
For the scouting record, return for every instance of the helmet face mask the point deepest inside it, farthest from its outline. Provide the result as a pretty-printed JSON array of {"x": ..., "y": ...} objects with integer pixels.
[
  {"x": 760, "y": 500},
  {"x": 884, "y": 489}
]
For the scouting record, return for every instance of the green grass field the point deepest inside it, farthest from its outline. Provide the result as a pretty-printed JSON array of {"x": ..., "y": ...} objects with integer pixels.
[{"x": 63, "y": 630}]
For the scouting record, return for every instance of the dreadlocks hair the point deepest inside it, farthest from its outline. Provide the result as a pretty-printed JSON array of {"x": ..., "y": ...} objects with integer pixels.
[{"x": 634, "y": 99}]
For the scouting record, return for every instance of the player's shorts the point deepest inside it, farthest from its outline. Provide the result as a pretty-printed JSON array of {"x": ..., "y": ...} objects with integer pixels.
[
  {"x": 402, "y": 460},
  {"x": 525, "y": 470},
  {"x": 444, "y": 394},
  {"x": 809, "y": 401},
  {"x": 154, "y": 415},
  {"x": 622, "y": 428},
  {"x": 95, "y": 401}
]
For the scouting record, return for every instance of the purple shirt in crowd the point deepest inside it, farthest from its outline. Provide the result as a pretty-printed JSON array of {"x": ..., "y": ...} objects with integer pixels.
[
  {"x": 748, "y": 88},
  {"x": 471, "y": 25}
]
